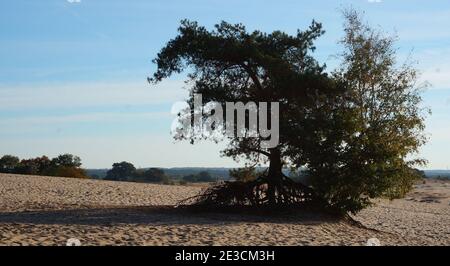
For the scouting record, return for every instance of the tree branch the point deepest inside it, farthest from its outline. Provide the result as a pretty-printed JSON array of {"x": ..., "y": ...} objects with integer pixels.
[{"x": 252, "y": 75}]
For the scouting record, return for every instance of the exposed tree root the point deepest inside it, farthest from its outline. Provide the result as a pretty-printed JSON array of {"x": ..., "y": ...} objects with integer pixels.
[
  {"x": 288, "y": 193},
  {"x": 252, "y": 197}
]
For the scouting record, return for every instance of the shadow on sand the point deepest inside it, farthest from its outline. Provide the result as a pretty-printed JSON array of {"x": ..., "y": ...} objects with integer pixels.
[{"x": 159, "y": 215}]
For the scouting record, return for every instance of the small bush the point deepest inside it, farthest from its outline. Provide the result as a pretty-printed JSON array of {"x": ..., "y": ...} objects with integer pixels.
[{"x": 73, "y": 172}]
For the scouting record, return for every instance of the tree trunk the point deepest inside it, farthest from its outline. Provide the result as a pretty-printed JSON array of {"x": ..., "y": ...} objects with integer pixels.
[{"x": 274, "y": 176}]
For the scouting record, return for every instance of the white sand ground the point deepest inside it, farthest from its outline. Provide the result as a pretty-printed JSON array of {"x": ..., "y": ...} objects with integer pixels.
[{"x": 36, "y": 210}]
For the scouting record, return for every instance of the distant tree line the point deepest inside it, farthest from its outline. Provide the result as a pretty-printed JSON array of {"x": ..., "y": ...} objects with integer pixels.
[
  {"x": 202, "y": 176},
  {"x": 65, "y": 165},
  {"x": 68, "y": 165},
  {"x": 244, "y": 174},
  {"x": 125, "y": 171}
]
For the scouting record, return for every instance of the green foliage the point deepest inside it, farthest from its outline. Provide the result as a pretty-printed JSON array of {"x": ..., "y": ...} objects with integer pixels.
[
  {"x": 153, "y": 175},
  {"x": 35, "y": 166},
  {"x": 200, "y": 177},
  {"x": 230, "y": 64},
  {"x": 66, "y": 165},
  {"x": 362, "y": 149},
  {"x": 8, "y": 163},
  {"x": 122, "y": 171},
  {"x": 125, "y": 171},
  {"x": 65, "y": 171},
  {"x": 244, "y": 174},
  {"x": 353, "y": 131},
  {"x": 67, "y": 160}
]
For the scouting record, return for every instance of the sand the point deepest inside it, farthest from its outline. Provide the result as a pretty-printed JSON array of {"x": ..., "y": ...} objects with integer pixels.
[{"x": 37, "y": 210}]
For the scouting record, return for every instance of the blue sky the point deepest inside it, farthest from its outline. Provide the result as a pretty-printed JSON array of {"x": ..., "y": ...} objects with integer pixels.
[{"x": 73, "y": 72}]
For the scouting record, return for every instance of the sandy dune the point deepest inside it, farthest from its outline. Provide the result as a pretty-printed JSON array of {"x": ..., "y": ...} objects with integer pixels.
[{"x": 38, "y": 210}]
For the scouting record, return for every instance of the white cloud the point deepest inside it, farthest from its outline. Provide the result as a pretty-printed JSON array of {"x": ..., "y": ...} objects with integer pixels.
[
  {"x": 374, "y": 1},
  {"x": 438, "y": 78},
  {"x": 73, "y": 1},
  {"x": 16, "y": 122},
  {"x": 90, "y": 94},
  {"x": 432, "y": 64}
]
